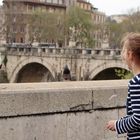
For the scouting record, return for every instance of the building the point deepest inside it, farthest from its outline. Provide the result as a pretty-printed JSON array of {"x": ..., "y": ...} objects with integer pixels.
[
  {"x": 18, "y": 24},
  {"x": 2, "y": 20},
  {"x": 84, "y": 5},
  {"x": 98, "y": 19},
  {"x": 118, "y": 18},
  {"x": 100, "y": 35},
  {"x": 17, "y": 27}
]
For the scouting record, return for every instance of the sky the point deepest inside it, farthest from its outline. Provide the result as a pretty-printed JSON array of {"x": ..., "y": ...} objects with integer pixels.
[{"x": 111, "y": 7}]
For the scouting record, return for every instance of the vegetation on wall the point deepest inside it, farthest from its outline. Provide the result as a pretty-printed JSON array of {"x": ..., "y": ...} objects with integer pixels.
[{"x": 123, "y": 74}]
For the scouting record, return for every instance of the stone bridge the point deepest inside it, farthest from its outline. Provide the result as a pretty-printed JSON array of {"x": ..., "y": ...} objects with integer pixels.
[{"x": 29, "y": 64}]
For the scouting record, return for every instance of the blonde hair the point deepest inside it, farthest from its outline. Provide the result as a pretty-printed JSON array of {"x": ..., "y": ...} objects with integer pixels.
[{"x": 132, "y": 42}]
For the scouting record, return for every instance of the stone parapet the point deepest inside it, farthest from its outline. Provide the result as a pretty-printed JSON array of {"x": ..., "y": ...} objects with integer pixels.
[
  {"x": 26, "y": 99},
  {"x": 61, "y": 111},
  {"x": 45, "y": 51}
]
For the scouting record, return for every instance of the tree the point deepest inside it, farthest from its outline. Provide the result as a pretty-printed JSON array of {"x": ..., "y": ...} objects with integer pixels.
[
  {"x": 123, "y": 74},
  {"x": 115, "y": 33},
  {"x": 43, "y": 26},
  {"x": 46, "y": 27},
  {"x": 59, "y": 28},
  {"x": 116, "y": 30},
  {"x": 80, "y": 26},
  {"x": 132, "y": 24}
]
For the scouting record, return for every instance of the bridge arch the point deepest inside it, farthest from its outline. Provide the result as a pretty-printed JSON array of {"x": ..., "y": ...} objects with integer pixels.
[
  {"x": 27, "y": 61},
  {"x": 106, "y": 65}
]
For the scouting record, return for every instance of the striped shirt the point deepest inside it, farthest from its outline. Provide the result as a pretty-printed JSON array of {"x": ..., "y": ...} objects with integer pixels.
[{"x": 130, "y": 124}]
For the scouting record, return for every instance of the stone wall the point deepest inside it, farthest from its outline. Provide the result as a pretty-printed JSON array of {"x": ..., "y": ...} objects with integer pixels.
[
  {"x": 3, "y": 76},
  {"x": 61, "y": 111}
]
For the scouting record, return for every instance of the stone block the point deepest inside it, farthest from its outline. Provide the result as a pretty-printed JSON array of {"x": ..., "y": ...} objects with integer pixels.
[
  {"x": 41, "y": 101},
  {"x": 109, "y": 98},
  {"x": 122, "y": 112},
  {"x": 66, "y": 126}
]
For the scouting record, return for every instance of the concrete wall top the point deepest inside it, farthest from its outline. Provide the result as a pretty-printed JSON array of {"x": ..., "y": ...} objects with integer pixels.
[
  {"x": 103, "y": 84},
  {"x": 58, "y": 97}
]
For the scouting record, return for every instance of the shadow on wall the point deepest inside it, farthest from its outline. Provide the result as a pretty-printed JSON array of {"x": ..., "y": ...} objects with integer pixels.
[{"x": 3, "y": 77}]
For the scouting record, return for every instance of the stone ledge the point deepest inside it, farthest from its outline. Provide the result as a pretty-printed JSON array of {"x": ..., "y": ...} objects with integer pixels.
[
  {"x": 109, "y": 98},
  {"x": 37, "y": 102},
  {"x": 29, "y": 99}
]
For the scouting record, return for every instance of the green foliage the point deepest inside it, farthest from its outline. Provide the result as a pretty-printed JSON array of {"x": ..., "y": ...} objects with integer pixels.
[
  {"x": 76, "y": 24},
  {"x": 81, "y": 26},
  {"x": 123, "y": 74},
  {"x": 133, "y": 21},
  {"x": 46, "y": 26},
  {"x": 116, "y": 30}
]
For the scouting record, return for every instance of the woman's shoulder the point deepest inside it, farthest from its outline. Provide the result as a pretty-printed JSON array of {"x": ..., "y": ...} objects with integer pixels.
[{"x": 135, "y": 80}]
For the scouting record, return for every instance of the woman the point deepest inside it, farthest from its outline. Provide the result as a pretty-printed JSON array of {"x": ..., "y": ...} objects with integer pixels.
[{"x": 130, "y": 124}]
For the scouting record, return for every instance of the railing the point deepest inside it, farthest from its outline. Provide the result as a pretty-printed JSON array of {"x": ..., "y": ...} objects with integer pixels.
[{"x": 43, "y": 51}]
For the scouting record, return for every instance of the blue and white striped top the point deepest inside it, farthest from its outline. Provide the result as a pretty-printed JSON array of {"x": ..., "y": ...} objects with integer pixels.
[{"x": 130, "y": 124}]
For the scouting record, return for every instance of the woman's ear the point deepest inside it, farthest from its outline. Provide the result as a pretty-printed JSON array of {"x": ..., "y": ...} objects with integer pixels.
[{"x": 130, "y": 55}]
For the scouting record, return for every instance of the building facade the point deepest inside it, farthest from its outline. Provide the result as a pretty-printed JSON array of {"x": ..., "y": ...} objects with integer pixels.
[
  {"x": 84, "y": 5},
  {"x": 118, "y": 18},
  {"x": 100, "y": 35},
  {"x": 2, "y": 19},
  {"x": 17, "y": 29},
  {"x": 98, "y": 19},
  {"x": 18, "y": 23}
]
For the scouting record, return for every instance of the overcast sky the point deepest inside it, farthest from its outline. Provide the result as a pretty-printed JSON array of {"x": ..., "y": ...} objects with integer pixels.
[{"x": 111, "y": 7}]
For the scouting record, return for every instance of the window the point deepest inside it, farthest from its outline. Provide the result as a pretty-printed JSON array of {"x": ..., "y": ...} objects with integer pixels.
[
  {"x": 21, "y": 40},
  {"x": 63, "y": 1},
  {"x": 60, "y": 2},
  {"x": 49, "y": 1},
  {"x": 14, "y": 7},
  {"x": 55, "y": 1},
  {"x": 22, "y": 29},
  {"x": 14, "y": 40},
  {"x": 14, "y": 29},
  {"x": 42, "y": 0},
  {"x": 14, "y": 19}
]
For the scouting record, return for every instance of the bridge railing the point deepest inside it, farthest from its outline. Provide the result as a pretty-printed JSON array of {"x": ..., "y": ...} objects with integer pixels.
[{"x": 43, "y": 51}]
